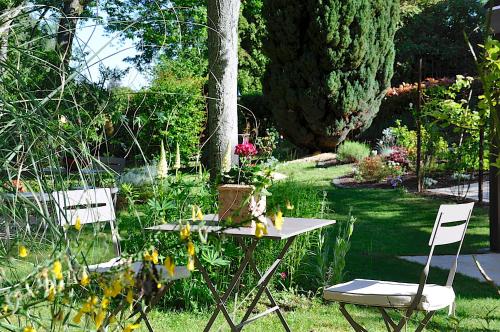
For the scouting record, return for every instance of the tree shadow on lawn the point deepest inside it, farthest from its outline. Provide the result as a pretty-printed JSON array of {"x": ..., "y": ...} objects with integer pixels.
[
  {"x": 399, "y": 223},
  {"x": 391, "y": 268}
]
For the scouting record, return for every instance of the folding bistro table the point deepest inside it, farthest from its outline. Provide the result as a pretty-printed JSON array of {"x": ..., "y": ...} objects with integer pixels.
[{"x": 292, "y": 227}]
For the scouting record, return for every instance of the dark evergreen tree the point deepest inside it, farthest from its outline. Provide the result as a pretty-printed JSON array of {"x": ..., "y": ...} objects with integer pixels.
[{"x": 330, "y": 63}]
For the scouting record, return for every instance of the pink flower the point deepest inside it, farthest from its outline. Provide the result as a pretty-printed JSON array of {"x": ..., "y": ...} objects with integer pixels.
[
  {"x": 245, "y": 149},
  {"x": 283, "y": 275}
]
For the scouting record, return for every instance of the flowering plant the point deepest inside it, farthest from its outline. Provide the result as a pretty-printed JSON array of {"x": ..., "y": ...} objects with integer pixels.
[
  {"x": 399, "y": 155},
  {"x": 245, "y": 149}
]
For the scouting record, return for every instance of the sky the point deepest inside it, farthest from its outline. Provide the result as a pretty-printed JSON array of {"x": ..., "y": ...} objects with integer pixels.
[{"x": 111, "y": 56}]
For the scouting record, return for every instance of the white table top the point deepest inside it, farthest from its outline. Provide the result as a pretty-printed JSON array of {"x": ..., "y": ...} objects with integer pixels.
[{"x": 291, "y": 227}]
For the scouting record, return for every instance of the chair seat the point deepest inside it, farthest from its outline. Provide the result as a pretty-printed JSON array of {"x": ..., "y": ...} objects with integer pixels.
[
  {"x": 180, "y": 272},
  {"x": 389, "y": 294}
]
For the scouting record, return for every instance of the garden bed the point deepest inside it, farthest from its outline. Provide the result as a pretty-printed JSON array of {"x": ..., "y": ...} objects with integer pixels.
[{"x": 409, "y": 182}]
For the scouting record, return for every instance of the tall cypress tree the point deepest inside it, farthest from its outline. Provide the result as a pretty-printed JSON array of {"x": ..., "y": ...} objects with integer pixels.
[{"x": 330, "y": 62}]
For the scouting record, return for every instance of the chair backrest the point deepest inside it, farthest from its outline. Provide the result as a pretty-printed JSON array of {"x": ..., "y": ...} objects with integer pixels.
[
  {"x": 114, "y": 163},
  {"x": 450, "y": 227},
  {"x": 90, "y": 205},
  {"x": 451, "y": 224}
]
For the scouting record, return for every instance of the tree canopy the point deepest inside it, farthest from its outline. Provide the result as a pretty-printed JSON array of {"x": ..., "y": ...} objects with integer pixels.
[{"x": 330, "y": 63}]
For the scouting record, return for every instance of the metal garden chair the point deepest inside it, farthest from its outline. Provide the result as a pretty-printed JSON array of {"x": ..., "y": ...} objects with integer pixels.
[
  {"x": 450, "y": 227},
  {"x": 95, "y": 205}
]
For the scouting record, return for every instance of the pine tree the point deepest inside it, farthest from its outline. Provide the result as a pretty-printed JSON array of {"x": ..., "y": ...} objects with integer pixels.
[{"x": 330, "y": 63}]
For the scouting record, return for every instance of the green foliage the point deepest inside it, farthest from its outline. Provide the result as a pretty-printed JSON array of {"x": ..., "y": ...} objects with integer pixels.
[
  {"x": 434, "y": 146},
  {"x": 433, "y": 30},
  {"x": 329, "y": 66},
  {"x": 173, "y": 28},
  {"x": 251, "y": 61},
  {"x": 352, "y": 152},
  {"x": 172, "y": 109},
  {"x": 489, "y": 71}
]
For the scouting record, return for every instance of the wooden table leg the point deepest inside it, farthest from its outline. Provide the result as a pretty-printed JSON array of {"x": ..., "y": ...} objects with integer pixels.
[
  {"x": 221, "y": 301},
  {"x": 263, "y": 282}
]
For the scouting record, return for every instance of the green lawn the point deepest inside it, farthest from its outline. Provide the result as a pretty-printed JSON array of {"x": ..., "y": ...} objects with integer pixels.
[{"x": 390, "y": 223}]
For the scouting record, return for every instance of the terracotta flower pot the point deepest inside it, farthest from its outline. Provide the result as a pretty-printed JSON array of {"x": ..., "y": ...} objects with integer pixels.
[{"x": 234, "y": 203}]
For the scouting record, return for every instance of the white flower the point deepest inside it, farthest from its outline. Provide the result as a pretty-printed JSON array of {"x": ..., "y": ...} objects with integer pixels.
[
  {"x": 258, "y": 209},
  {"x": 177, "y": 164},
  {"x": 162, "y": 164}
]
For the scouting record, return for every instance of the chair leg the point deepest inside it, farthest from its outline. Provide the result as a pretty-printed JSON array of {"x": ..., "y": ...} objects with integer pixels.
[
  {"x": 143, "y": 313},
  {"x": 355, "y": 326},
  {"x": 145, "y": 319},
  {"x": 389, "y": 323},
  {"x": 403, "y": 321},
  {"x": 424, "y": 321}
]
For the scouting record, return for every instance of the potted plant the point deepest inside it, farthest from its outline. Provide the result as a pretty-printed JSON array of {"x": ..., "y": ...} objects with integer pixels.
[{"x": 243, "y": 188}]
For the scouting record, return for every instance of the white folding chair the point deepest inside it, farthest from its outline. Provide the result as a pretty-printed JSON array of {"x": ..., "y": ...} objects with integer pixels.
[
  {"x": 95, "y": 205},
  {"x": 450, "y": 227}
]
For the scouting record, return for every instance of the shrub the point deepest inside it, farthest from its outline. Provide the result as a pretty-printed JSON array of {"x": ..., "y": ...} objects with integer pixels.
[
  {"x": 350, "y": 152},
  {"x": 172, "y": 109},
  {"x": 399, "y": 155},
  {"x": 372, "y": 169}
]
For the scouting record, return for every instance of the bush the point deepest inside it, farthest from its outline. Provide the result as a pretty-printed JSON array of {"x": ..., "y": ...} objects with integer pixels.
[
  {"x": 172, "y": 109},
  {"x": 372, "y": 169},
  {"x": 399, "y": 155},
  {"x": 350, "y": 152}
]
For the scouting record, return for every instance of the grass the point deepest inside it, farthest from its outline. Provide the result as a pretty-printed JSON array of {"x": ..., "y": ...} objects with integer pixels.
[{"x": 390, "y": 223}]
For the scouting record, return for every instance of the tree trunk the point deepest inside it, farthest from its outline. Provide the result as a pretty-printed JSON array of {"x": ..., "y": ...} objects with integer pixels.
[
  {"x": 71, "y": 12},
  {"x": 222, "y": 83},
  {"x": 6, "y": 20}
]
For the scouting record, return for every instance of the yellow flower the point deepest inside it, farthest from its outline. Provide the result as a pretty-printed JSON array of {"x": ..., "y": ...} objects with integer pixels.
[
  {"x": 154, "y": 256},
  {"x": 29, "y": 329},
  {"x": 199, "y": 214},
  {"x": 185, "y": 231},
  {"x": 278, "y": 221},
  {"x": 78, "y": 223},
  {"x": 52, "y": 293},
  {"x": 190, "y": 248},
  {"x": 130, "y": 297},
  {"x": 78, "y": 317},
  {"x": 116, "y": 288},
  {"x": 104, "y": 302},
  {"x": 289, "y": 206},
  {"x": 190, "y": 264},
  {"x": 170, "y": 266},
  {"x": 23, "y": 251},
  {"x": 108, "y": 292},
  {"x": 131, "y": 327},
  {"x": 260, "y": 230},
  {"x": 5, "y": 308},
  {"x": 57, "y": 270},
  {"x": 159, "y": 285},
  {"x": 99, "y": 319},
  {"x": 85, "y": 281}
]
